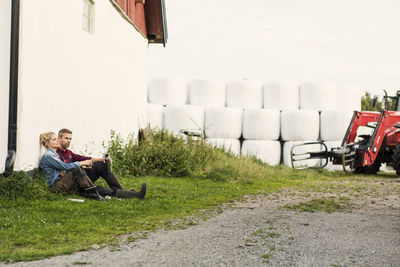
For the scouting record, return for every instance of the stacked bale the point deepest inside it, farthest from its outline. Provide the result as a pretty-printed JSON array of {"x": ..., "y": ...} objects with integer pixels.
[
  {"x": 334, "y": 124},
  {"x": 299, "y": 126},
  {"x": 167, "y": 91},
  {"x": 266, "y": 113},
  {"x": 184, "y": 117},
  {"x": 281, "y": 96},
  {"x": 318, "y": 96},
  {"x": 224, "y": 126},
  {"x": 244, "y": 94},
  {"x": 261, "y": 128},
  {"x": 209, "y": 93},
  {"x": 230, "y": 145}
]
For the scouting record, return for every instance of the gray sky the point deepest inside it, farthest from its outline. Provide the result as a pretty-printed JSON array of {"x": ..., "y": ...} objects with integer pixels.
[{"x": 346, "y": 41}]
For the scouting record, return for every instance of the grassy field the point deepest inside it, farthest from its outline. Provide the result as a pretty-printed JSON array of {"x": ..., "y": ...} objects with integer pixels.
[
  {"x": 185, "y": 180},
  {"x": 33, "y": 228}
]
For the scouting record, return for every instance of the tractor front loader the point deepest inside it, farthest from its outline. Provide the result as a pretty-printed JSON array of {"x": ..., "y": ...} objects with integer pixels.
[{"x": 371, "y": 139}]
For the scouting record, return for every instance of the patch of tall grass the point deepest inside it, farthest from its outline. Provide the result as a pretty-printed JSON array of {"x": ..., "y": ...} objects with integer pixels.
[
  {"x": 20, "y": 185},
  {"x": 163, "y": 154}
]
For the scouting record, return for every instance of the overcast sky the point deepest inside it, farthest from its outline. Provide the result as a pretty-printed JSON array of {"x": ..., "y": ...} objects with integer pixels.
[{"x": 346, "y": 41}]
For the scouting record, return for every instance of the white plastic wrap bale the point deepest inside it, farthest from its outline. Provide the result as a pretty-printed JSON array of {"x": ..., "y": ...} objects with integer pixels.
[
  {"x": 330, "y": 166},
  {"x": 184, "y": 117},
  {"x": 334, "y": 124},
  {"x": 209, "y": 93},
  {"x": 244, "y": 94},
  {"x": 318, "y": 96},
  {"x": 298, "y": 125},
  {"x": 223, "y": 122},
  {"x": 261, "y": 124},
  {"x": 167, "y": 91},
  {"x": 267, "y": 151},
  {"x": 154, "y": 116},
  {"x": 363, "y": 131},
  {"x": 232, "y": 145},
  {"x": 287, "y": 146},
  {"x": 348, "y": 97},
  {"x": 281, "y": 96}
]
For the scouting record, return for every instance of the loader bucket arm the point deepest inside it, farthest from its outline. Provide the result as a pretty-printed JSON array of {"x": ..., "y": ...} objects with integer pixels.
[{"x": 302, "y": 156}]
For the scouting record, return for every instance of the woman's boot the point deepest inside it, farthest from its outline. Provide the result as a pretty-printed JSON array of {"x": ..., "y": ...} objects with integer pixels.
[
  {"x": 121, "y": 193},
  {"x": 92, "y": 193}
]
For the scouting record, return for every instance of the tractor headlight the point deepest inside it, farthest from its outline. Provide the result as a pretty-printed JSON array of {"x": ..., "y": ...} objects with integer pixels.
[{"x": 374, "y": 149}]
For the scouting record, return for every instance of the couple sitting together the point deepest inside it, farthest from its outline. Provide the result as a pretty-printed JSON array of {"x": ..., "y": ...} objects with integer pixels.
[{"x": 68, "y": 172}]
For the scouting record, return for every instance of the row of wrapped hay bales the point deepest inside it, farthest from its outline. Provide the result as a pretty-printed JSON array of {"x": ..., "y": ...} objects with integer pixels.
[
  {"x": 267, "y": 134},
  {"x": 254, "y": 94}
]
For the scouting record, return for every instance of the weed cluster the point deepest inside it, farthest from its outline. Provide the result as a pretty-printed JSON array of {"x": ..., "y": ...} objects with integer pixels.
[
  {"x": 22, "y": 185},
  {"x": 164, "y": 154}
]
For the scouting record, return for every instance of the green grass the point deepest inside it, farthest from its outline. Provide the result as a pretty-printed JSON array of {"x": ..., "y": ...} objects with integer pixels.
[
  {"x": 321, "y": 204},
  {"x": 42, "y": 227},
  {"x": 37, "y": 224}
]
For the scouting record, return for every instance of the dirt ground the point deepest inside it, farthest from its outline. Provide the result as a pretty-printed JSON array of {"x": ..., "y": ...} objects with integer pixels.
[{"x": 259, "y": 231}]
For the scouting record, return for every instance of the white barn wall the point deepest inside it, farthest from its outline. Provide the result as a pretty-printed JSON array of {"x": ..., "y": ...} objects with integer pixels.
[
  {"x": 5, "y": 33},
  {"x": 101, "y": 78}
]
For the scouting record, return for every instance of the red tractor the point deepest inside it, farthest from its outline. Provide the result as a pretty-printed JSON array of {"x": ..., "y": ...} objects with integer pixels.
[{"x": 362, "y": 152}]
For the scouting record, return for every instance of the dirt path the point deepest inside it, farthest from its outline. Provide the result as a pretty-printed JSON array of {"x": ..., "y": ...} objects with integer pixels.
[{"x": 258, "y": 232}]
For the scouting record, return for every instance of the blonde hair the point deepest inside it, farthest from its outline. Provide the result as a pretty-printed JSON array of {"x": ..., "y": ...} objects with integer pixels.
[{"x": 45, "y": 138}]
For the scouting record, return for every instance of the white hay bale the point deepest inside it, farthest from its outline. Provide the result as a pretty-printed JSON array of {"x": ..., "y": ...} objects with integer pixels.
[
  {"x": 330, "y": 145},
  {"x": 223, "y": 122},
  {"x": 267, "y": 151},
  {"x": 348, "y": 97},
  {"x": 287, "y": 146},
  {"x": 244, "y": 94},
  {"x": 298, "y": 125},
  {"x": 209, "y": 93},
  {"x": 154, "y": 116},
  {"x": 281, "y": 96},
  {"x": 167, "y": 91},
  {"x": 261, "y": 124},
  {"x": 334, "y": 124},
  {"x": 232, "y": 145},
  {"x": 318, "y": 96},
  {"x": 363, "y": 130},
  {"x": 183, "y": 117}
]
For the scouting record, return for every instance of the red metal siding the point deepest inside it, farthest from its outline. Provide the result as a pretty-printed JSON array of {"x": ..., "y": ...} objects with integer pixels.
[
  {"x": 154, "y": 21},
  {"x": 147, "y": 16},
  {"x": 135, "y": 11}
]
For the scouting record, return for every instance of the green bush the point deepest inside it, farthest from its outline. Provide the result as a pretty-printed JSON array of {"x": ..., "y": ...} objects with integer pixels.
[
  {"x": 163, "y": 154},
  {"x": 21, "y": 185}
]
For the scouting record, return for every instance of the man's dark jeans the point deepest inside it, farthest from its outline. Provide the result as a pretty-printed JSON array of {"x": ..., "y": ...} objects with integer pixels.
[{"x": 99, "y": 169}]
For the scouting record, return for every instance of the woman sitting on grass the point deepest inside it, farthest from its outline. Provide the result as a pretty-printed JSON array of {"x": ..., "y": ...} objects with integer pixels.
[{"x": 69, "y": 177}]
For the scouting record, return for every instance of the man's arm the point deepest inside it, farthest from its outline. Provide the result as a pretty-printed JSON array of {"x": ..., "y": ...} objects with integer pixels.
[{"x": 77, "y": 157}]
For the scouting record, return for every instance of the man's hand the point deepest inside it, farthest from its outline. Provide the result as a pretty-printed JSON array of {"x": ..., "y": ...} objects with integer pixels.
[
  {"x": 86, "y": 163},
  {"x": 97, "y": 160}
]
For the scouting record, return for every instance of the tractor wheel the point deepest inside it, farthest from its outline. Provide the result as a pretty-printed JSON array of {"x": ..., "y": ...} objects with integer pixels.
[
  {"x": 396, "y": 159},
  {"x": 372, "y": 169}
]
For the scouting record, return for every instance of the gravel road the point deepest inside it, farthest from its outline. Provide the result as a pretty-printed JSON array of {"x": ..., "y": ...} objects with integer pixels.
[{"x": 258, "y": 232}]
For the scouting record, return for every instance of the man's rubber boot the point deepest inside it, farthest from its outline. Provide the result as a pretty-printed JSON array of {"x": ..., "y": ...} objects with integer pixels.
[
  {"x": 130, "y": 194},
  {"x": 92, "y": 193},
  {"x": 112, "y": 181}
]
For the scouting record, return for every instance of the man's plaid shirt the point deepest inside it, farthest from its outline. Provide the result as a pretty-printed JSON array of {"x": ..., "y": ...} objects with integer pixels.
[{"x": 69, "y": 156}]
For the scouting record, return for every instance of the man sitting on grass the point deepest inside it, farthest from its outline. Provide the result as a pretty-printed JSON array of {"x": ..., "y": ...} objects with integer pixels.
[{"x": 98, "y": 169}]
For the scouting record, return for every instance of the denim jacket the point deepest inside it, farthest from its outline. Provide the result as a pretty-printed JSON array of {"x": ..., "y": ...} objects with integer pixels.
[{"x": 50, "y": 165}]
